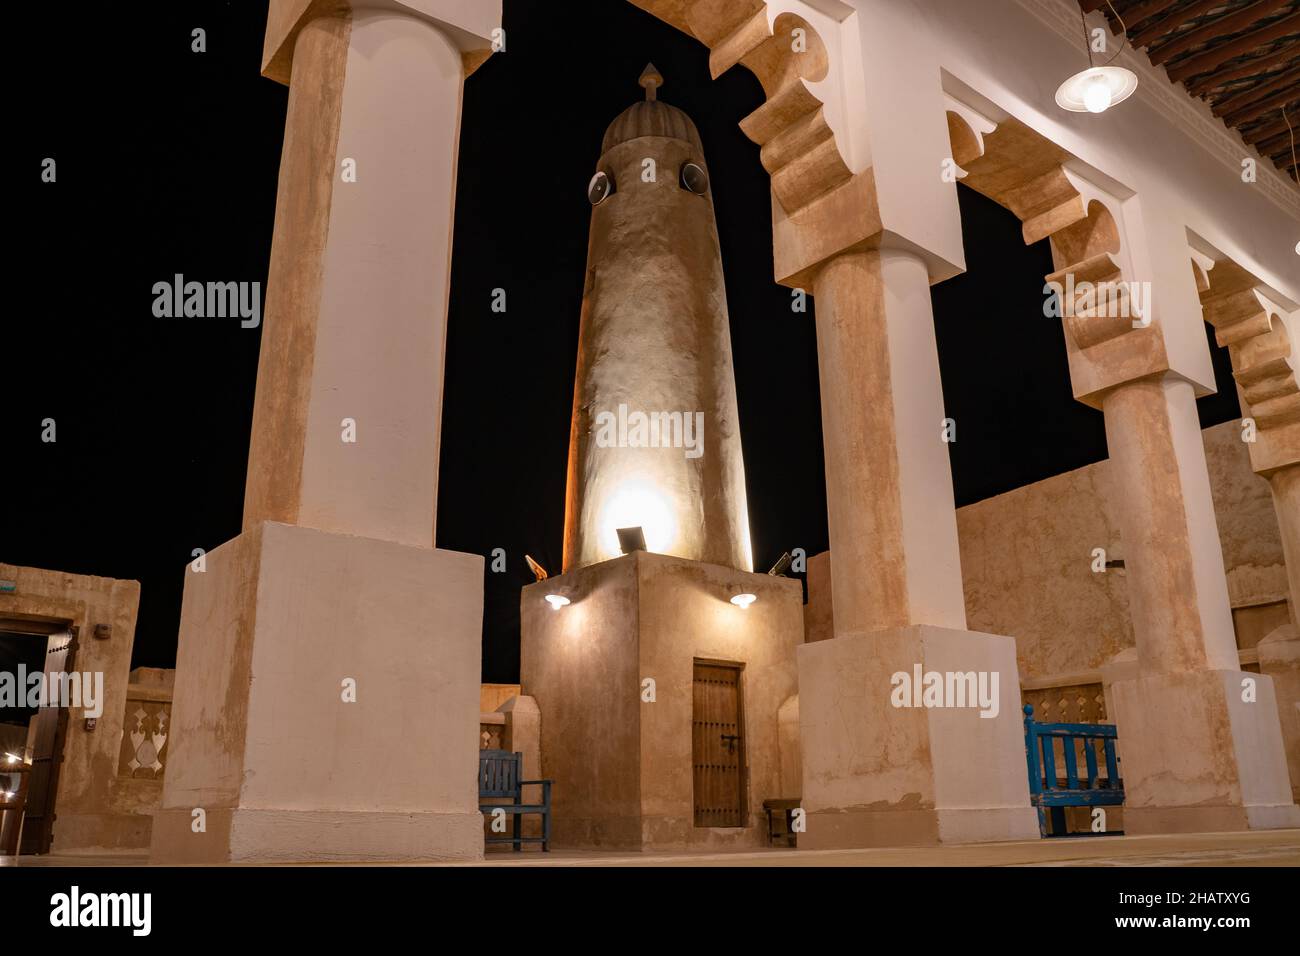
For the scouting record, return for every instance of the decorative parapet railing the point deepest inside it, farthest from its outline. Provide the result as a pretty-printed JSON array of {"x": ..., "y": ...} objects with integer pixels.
[
  {"x": 1077, "y": 703},
  {"x": 491, "y": 731},
  {"x": 145, "y": 731}
]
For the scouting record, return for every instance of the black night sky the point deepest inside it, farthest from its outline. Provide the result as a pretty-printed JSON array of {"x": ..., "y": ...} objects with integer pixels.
[{"x": 167, "y": 163}]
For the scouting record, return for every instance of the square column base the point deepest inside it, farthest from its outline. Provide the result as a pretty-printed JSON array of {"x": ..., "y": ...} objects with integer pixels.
[
  {"x": 326, "y": 703},
  {"x": 1279, "y": 660},
  {"x": 321, "y": 836},
  {"x": 1196, "y": 757},
  {"x": 876, "y": 774}
]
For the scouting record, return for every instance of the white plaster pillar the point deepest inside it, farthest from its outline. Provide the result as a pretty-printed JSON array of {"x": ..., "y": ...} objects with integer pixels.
[
  {"x": 1173, "y": 562},
  {"x": 875, "y": 773},
  {"x": 1279, "y": 652},
  {"x": 1201, "y": 741},
  {"x": 356, "y": 323},
  {"x": 1285, "y": 485},
  {"x": 327, "y": 685},
  {"x": 895, "y": 560}
]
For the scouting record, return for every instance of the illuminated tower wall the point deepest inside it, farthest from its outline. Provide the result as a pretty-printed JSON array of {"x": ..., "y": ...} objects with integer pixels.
[{"x": 654, "y": 356}]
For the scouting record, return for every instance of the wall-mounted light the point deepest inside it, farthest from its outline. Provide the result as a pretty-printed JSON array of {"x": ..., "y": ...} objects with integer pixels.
[
  {"x": 1097, "y": 88},
  {"x": 556, "y": 601},
  {"x": 743, "y": 601},
  {"x": 103, "y": 632},
  {"x": 11, "y": 758}
]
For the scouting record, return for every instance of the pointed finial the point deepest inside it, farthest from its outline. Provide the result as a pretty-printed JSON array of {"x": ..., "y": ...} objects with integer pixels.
[{"x": 651, "y": 80}]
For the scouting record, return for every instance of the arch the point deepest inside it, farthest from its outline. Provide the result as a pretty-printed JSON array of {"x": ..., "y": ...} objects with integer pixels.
[
  {"x": 1263, "y": 359},
  {"x": 798, "y": 146},
  {"x": 1026, "y": 173}
]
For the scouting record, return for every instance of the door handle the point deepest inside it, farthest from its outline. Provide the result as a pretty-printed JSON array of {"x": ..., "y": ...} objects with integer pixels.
[{"x": 731, "y": 741}]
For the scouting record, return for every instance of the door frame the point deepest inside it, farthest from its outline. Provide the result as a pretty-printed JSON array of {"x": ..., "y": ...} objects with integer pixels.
[{"x": 39, "y": 841}]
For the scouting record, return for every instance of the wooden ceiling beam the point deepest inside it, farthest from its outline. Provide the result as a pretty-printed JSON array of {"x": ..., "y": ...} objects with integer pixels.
[
  {"x": 1270, "y": 147},
  {"x": 1260, "y": 108},
  {"x": 1204, "y": 62},
  {"x": 1266, "y": 131},
  {"x": 1220, "y": 26},
  {"x": 1246, "y": 70},
  {"x": 1245, "y": 98},
  {"x": 1172, "y": 22},
  {"x": 1146, "y": 10}
]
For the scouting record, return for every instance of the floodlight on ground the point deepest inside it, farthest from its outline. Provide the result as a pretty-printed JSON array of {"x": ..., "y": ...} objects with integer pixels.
[{"x": 631, "y": 539}]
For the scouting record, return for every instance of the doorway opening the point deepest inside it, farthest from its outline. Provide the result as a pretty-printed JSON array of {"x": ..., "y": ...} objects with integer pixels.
[
  {"x": 718, "y": 745},
  {"x": 32, "y": 737}
]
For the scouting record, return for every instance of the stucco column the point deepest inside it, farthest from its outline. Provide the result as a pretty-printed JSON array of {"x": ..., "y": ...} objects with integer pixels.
[
  {"x": 327, "y": 674},
  {"x": 1202, "y": 747},
  {"x": 1285, "y": 484},
  {"x": 355, "y": 329},
  {"x": 877, "y": 769},
  {"x": 1173, "y": 562},
  {"x": 1279, "y": 652},
  {"x": 893, "y": 524}
]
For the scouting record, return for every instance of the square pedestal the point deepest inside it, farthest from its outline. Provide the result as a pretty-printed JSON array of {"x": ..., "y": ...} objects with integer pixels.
[
  {"x": 1197, "y": 758},
  {"x": 265, "y": 739},
  {"x": 876, "y": 774},
  {"x": 623, "y": 763},
  {"x": 1279, "y": 659}
]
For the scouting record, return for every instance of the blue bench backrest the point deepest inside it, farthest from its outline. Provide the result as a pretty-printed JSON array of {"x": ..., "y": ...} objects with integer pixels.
[
  {"x": 1040, "y": 752},
  {"x": 498, "y": 773}
]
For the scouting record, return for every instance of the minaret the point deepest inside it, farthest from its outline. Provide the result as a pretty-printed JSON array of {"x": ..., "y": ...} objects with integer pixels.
[{"x": 655, "y": 439}]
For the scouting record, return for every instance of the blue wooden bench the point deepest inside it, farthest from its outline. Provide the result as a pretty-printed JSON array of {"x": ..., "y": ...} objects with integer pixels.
[
  {"x": 1045, "y": 790},
  {"x": 498, "y": 780}
]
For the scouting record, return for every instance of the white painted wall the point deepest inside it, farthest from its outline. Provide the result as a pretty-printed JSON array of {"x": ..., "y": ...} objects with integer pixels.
[{"x": 1173, "y": 176}]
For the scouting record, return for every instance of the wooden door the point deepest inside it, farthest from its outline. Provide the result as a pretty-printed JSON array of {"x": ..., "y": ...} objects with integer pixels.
[
  {"x": 47, "y": 751},
  {"x": 718, "y": 745}
]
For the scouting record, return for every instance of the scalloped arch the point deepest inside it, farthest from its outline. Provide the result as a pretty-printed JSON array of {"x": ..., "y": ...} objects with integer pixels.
[{"x": 799, "y": 149}]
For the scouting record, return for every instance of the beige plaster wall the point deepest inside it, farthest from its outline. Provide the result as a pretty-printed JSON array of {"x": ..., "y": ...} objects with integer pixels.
[
  {"x": 1027, "y": 554},
  {"x": 94, "y": 809},
  {"x": 580, "y": 664},
  {"x": 623, "y": 767},
  {"x": 1026, "y": 561},
  {"x": 492, "y": 696},
  {"x": 686, "y": 614}
]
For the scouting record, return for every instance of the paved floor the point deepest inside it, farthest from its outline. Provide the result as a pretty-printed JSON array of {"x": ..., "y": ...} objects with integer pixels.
[{"x": 1261, "y": 848}]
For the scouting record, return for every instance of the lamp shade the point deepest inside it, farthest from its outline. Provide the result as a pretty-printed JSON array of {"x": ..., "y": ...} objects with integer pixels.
[{"x": 1096, "y": 89}]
